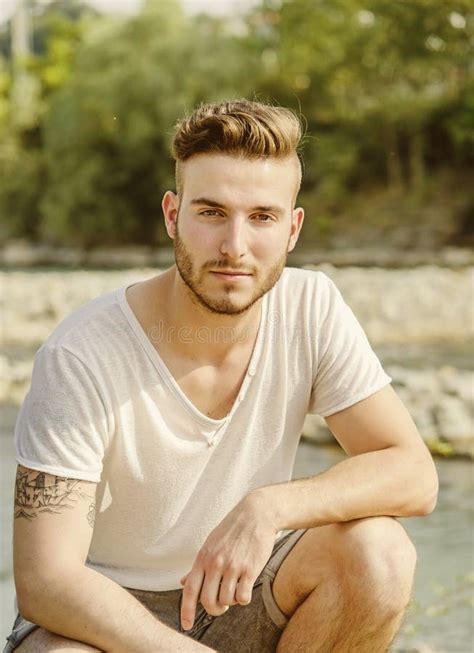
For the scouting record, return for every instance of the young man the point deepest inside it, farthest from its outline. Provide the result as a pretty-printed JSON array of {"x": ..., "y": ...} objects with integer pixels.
[{"x": 175, "y": 406}]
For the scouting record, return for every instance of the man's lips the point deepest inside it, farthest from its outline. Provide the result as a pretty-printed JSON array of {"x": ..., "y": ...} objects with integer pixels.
[{"x": 232, "y": 273}]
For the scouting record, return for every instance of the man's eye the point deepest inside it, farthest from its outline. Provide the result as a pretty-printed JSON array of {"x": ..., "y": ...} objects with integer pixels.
[
  {"x": 263, "y": 217},
  {"x": 210, "y": 212}
]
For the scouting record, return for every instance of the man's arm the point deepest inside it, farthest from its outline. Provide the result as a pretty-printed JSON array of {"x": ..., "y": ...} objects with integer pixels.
[
  {"x": 389, "y": 471},
  {"x": 53, "y": 524}
]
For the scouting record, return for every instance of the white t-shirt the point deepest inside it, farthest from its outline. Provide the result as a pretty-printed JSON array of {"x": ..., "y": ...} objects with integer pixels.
[{"x": 103, "y": 407}]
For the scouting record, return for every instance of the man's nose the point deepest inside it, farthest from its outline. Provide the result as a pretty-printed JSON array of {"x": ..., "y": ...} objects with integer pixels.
[{"x": 234, "y": 243}]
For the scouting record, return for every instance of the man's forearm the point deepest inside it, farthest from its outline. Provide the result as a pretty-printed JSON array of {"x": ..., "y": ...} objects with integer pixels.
[
  {"x": 391, "y": 482},
  {"x": 89, "y": 607}
]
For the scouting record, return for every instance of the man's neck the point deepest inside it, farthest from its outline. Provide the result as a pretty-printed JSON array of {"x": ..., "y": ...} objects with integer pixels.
[{"x": 193, "y": 330}]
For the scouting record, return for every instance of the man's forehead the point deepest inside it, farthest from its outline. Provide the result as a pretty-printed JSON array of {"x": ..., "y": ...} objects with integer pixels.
[
  {"x": 229, "y": 169},
  {"x": 249, "y": 182},
  {"x": 234, "y": 161}
]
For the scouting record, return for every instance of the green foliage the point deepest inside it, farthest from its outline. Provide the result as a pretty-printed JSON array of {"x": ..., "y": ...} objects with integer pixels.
[
  {"x": 25, "y": 91},
  {"x": 5, "y": 86},
  {"x": 22, "y": 174},
  {"x": 460, "y": 124},
  {"x": 440, "y": 447},
  {"x": 386, "y": 89},
  {"x": 110, "y": 125},
  {"x": 380, "y": 66}
]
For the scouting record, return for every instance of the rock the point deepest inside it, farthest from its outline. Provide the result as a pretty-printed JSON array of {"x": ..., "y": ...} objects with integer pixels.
[
  {"x": 455, "y": 424},
  {"x": 24, "y": 254},
  {"x": 18, "y": 252},
  {"x": 456, "y": 256},
  {"x": 316, "y": 430},
  {"x": 15, "y": 380},
  {"x": 439, "y": 401},
  {"x": 119, "y": 257},
  {"x": 393, "y": 306},
  {"x": 422, "y": 382},
  {"x": 390, "y": 257},
  {"x": 458, "y": 383}
]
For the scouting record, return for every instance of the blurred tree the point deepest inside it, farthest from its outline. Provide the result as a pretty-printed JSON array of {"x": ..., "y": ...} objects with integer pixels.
[
  {"x": 110, "y": 125},
  {"x": 45, "y": 69},
  {"x": 370, "y": 75},
  {"x": 386, "y": 90}
]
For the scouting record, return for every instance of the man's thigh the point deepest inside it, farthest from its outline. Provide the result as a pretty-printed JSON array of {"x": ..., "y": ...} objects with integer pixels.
[
  {"x": 252, "y": 628},
  {"x": 42, "y": 641},
  {"x": 322, "y": 552}
]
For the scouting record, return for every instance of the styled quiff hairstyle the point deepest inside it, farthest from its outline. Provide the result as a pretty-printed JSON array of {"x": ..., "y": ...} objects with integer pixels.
[{"x": 241, "y": 128}]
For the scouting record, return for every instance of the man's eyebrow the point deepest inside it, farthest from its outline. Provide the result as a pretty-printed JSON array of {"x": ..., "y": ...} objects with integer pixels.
[
  {"x": 269, "y": 209},
  {"x": 204, "y": 201},
  {"x": 207, "y": 202}
]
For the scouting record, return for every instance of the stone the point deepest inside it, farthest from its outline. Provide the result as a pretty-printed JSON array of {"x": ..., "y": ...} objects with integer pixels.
[
  {"x": 454, "y": 419},
  {"x": 316, "y": 430}
]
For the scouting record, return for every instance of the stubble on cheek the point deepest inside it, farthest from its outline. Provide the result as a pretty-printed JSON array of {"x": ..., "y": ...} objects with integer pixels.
[{"x": 195, "y": 282}]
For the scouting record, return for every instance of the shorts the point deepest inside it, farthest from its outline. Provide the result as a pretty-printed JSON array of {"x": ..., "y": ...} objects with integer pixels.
[{"x": 252, "y": 628}]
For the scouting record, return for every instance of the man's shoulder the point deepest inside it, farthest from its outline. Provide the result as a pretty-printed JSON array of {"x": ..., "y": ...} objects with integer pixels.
[
  {"x": 87, "y": 323},
  {"x": 308, "y": 281},
  {"x": 307, "y": 274}
]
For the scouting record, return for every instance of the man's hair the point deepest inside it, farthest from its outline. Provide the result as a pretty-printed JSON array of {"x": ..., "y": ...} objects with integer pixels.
[{"x": 242, "y": 128}]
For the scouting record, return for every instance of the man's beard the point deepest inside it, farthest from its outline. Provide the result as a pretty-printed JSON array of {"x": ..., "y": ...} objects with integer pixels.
[{"x": 224, "y": 306}]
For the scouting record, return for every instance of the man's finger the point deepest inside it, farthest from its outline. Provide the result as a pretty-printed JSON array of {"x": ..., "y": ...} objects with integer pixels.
[
  {"x": 191, "y": 592},
  {"x": 243, "y": 593},
  {"x": 210, "y": 594},
  {"x": 226, "y": 595}
]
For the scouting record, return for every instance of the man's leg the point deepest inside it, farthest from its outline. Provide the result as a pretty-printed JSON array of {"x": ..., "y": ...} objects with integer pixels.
[
  {"x": 42, "y": 641},
  {"x": 345, "y": 587}
]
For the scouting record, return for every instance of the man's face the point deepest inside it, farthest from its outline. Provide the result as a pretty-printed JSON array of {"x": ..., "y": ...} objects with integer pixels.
[{"x": 233, "y": 228}]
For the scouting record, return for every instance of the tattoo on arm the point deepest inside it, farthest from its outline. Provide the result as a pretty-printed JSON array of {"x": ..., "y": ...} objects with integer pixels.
[{"x": 34, "y": 495}]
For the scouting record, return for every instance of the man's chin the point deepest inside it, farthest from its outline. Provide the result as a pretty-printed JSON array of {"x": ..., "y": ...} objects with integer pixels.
[
  {"x": 222, "y": 302},
  {"x": 226, "y": 307}
]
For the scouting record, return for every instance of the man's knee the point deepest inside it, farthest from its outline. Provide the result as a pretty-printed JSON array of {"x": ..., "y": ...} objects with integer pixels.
[
  {"x": 380, "y": 557},
  {"x": 377, "y": 542},
  {"x": 42, "y": 641}
]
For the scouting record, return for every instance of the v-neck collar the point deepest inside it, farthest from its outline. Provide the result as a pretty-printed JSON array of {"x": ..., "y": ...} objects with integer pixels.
[{"x": 169, "y": 379}]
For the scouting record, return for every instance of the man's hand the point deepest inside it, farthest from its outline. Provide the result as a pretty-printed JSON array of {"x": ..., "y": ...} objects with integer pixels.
[{"x": 229, "y": 562}]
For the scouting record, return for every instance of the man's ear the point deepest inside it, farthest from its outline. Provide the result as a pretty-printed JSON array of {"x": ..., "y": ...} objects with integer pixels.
[
  {"x": 296, "y": 224},
  {"x": 170, "y": 206}
]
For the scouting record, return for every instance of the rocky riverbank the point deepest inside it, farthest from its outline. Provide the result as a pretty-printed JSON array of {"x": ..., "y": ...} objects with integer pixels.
[
  {"x": 21, "y": 253},
  {"x": 440, "y": 402},
  {"x": 398, "y": 308}
]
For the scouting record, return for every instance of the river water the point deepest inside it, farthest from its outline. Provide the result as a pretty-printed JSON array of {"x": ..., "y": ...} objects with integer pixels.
[{"x": 439, "y": 619}]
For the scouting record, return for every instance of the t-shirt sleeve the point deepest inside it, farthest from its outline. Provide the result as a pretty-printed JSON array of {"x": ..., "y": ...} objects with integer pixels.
[
  {"x": 62, "y": 425},
  {"x": 347, "y": 368}
]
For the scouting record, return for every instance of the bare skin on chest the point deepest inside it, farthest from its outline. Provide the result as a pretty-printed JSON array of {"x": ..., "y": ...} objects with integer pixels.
[
  {"x": 212, "y": 390},
  {"x": 211, "y": 385}
]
